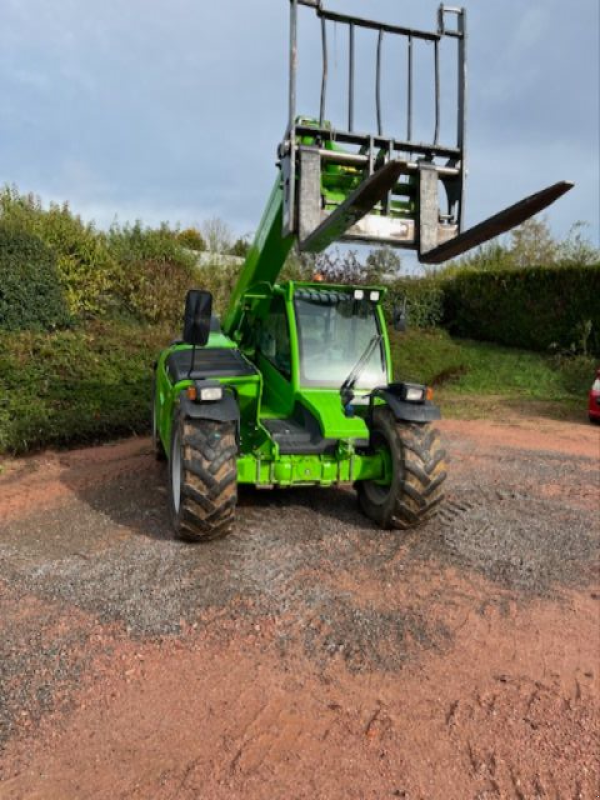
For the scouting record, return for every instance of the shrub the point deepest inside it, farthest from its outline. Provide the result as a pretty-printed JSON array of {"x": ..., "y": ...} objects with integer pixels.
[
  {"x": 30, "y": 292},
  {"x": 91, "y": 384},
  {"x": 576, "y": 371},
  {"x": 192, "y": 239},
  {"x": 155, "y": 272},
  {"x": 219, "y": 279},
  {"x": 536, "y": 308},
  {"x": 424, "y": 300},
  {"x": 84, "y": 266}
]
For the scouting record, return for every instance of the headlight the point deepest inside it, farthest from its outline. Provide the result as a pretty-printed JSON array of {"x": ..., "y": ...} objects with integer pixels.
[
  {"x": 596, "y": 385},
  {"x": 210, "y": 394},
  {"x": 374, "y": 297},
  {"x": 415, "y": 394},
  {"x": 359, "y": 294}
]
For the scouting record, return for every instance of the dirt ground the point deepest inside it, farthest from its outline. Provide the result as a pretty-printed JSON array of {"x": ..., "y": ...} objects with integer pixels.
[{"x": 309, "y": 655}]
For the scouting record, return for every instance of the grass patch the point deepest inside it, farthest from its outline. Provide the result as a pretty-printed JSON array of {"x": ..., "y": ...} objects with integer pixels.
[{"x": 495, "y": 378}]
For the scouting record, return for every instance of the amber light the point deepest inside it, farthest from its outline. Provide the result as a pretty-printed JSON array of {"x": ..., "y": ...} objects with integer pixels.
[
  {"x": 429, "y": 393},
  {"x": 192, "y": 393}
]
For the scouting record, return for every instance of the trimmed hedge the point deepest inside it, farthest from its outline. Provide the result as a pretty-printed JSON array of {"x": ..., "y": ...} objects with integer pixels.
[
  {"x": 31, "y": 296},
  {"x": 91, "y": 384},
  {"x": 424, "y": 301},
  {"x": 538, "y": 308}
]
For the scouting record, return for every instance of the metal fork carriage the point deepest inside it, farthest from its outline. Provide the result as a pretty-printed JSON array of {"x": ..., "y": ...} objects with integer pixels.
[{"x": 319, "y": 160}]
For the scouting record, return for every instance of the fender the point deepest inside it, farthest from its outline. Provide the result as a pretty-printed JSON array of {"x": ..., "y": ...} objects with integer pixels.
[
  {"x": 225, "y": 410},
  {"x": 404, "y": 411}
]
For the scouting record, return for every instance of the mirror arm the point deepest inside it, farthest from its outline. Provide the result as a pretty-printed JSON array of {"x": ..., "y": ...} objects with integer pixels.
[{"x": 193, "y": 362}]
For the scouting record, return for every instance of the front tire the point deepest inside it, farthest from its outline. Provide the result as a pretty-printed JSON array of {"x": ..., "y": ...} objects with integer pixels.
[
  {"x": 418, "y": 473},
  {"x": 202, "y": 478}
]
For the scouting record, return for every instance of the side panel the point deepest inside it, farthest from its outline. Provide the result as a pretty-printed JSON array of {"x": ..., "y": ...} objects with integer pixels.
[
  {"x": 326, "y": 406},
  {"x": 386, "y": 343},
  {"x": 278, "y": 394}
]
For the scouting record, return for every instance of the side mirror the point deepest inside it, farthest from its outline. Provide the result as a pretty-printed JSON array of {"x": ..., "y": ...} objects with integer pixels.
[
  {"x": 197, "y": 316},
  {"x": 400, "y": 317}
]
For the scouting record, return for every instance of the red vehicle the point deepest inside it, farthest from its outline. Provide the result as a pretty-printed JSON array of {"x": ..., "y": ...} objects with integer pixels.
[{"x": 594, "y": 403}]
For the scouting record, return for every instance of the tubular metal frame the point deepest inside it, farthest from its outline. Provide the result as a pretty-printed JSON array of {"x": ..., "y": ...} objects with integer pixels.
[{"x": 369, "y": 148}]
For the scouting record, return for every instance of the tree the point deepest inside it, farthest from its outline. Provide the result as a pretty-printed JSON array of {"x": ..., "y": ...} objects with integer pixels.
[
  {"x": 486, "y": 258},
  {"x": 529, "y": 245},
  {"x": 218, "y": 235},
  {"x": 335, "y": 267},
  {"x": 240, "y": 247},
  {"x": 299, "y": 266},
  {"x": 382, "y": 265},
  {"x": 577, "y": 250},
  {"x": 532, "y": 244},
  {"x": 192, "y": 239}
]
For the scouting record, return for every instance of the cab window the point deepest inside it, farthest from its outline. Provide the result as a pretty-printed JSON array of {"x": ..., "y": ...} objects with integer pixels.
[{"x": 274, "y": 338}]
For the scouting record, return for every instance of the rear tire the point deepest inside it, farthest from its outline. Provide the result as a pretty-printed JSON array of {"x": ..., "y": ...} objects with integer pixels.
[
  {"x": 418, "y": 473},
  {"x": 202, "y": 478}
]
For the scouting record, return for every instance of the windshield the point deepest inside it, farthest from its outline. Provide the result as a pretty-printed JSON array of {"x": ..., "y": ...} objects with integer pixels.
[{"x": 334, "y": 332}]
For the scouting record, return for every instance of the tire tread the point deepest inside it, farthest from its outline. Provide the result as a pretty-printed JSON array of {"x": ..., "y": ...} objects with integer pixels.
[
  {"x": 419, "y": 474},
  {"x": 209, "y": 479}
]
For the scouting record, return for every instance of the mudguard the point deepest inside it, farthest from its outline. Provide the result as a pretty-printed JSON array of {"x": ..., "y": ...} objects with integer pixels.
[
  {"x": 225, "y": 410},
  {"x": 409, "y": 412}
]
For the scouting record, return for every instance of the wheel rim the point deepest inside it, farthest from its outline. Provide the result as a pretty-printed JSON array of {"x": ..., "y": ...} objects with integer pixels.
[{"x": 176, "y": 472}]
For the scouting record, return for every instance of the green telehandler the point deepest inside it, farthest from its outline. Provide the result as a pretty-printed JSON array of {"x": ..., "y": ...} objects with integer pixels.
[{"x": 295, "y": 387}]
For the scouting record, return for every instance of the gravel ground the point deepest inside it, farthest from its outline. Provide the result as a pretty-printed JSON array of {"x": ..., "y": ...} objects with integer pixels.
[{"x": 89, "y": 574}]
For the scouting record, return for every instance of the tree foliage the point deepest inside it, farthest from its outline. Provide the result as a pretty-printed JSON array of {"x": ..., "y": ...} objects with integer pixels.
[
  {"x": 31, "y": 297},
  {"x": 155, "y": 271},
  {"x": 85, "y": 268},
  {"x": 192, "y": 239},
  {"x": 382, "y": 265},
  {"x": 240, "y": 247},
  {"x": 531, "y": 244}
]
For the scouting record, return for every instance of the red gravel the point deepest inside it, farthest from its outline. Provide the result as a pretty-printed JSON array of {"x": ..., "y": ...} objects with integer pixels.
[{"x": 486, "y": 691}]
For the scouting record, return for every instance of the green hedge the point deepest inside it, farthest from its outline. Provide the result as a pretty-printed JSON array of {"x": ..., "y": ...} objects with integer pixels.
[
  {"x": 424, "y": 301},
  {"x": 76, "y": 386},
  {"x": 154, "y": 272},
  {"x": 31, "y": 296},
  {"x": 85, "y": 269},
  {"x": 538, "y": 308},
  {"x": 130, "y": 272}
]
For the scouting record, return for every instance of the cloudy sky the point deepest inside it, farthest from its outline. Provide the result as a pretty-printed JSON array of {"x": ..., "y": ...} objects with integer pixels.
[{"x": 156, "y": 110}]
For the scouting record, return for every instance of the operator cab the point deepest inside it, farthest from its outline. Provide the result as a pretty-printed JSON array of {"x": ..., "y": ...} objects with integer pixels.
[{"x": 334, "y": 328}]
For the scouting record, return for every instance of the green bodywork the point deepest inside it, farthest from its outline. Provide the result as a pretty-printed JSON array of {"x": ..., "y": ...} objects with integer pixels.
[
  {"x": 338, "y": 181},
  {"x": 269, "y": 394}
]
